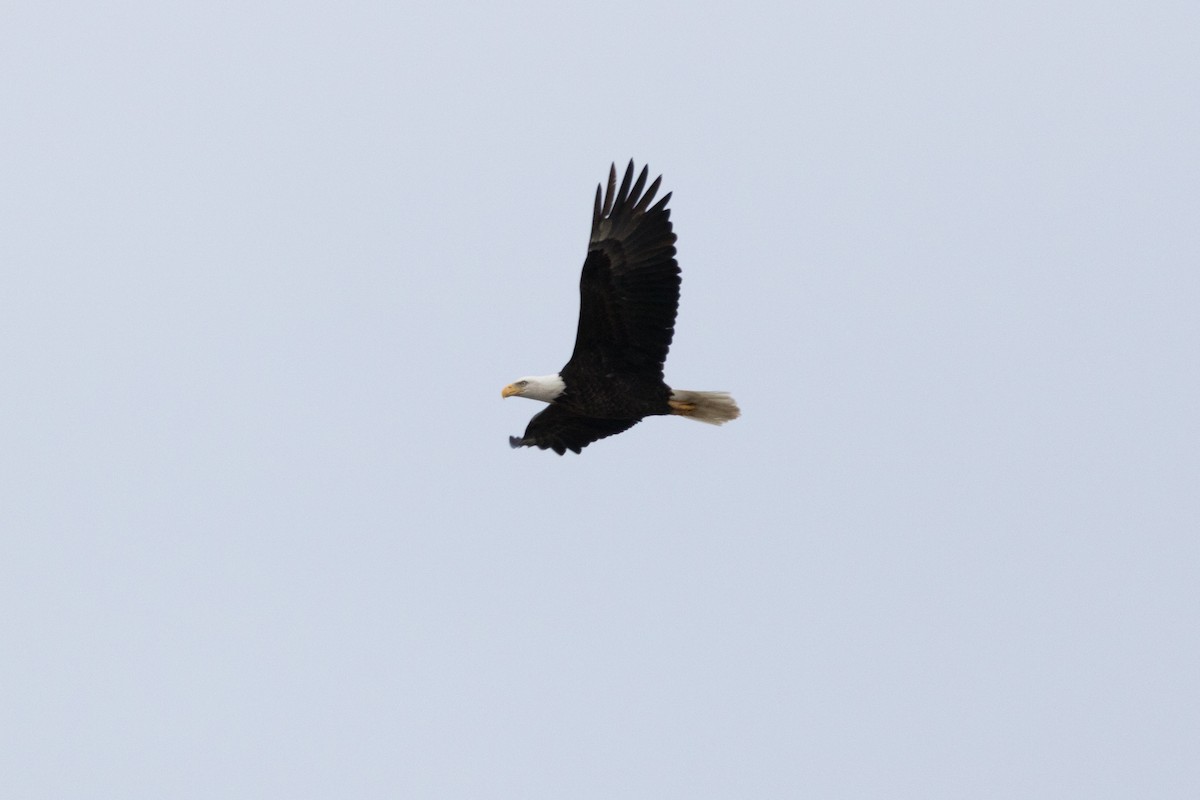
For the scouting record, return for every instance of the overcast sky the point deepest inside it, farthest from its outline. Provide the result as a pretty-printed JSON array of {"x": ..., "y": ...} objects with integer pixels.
[{"x": 264, "y": 268}]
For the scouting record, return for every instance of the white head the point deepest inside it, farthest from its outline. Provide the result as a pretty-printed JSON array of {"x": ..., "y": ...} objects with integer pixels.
[{"x": 543, "y": 387}]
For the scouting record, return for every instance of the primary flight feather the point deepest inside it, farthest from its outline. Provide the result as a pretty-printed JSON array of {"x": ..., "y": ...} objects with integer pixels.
[{"x": 628, "y": 297}]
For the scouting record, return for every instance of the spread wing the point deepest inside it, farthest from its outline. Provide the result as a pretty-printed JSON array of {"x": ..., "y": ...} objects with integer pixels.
[
  {"x": 560, "y": 430},
  {"x": 629, "y": 288}
]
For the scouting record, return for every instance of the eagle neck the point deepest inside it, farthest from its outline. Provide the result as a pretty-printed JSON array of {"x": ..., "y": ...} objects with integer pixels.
[{"x": 546, "y": 388}]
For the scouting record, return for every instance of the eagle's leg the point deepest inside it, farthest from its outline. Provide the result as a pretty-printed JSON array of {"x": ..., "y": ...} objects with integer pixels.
[{"x": 680, "y": 407}]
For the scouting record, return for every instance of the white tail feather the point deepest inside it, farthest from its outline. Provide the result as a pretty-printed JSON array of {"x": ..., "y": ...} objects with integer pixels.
[{"x": 715, "y": 408}]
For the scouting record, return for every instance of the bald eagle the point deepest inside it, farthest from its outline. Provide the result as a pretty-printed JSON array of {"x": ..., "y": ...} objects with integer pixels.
[{"x": 628, "y": 297}]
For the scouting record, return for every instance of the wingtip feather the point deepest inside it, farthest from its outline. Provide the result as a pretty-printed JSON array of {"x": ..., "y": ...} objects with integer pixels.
[
  {"x": 640, "y": 208},
  {"x": 623, "y": 194},
  {"x": 609, "y": 196}
]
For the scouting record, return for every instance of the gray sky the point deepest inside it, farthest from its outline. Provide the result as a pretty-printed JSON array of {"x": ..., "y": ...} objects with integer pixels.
[{"x": 265, "y": 269}]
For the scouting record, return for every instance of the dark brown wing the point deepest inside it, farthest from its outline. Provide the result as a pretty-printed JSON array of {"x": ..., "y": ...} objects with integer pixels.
[
  {"x": 560, "y": 430},
  {"x": 629, "y": 288}
]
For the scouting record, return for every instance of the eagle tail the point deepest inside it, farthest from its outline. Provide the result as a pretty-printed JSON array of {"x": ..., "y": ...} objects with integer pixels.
[{"x": 715, "y": 408}]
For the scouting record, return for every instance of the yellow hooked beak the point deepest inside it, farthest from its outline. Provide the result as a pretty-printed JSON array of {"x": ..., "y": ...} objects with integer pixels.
[{"x": 510, "y": 390}]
